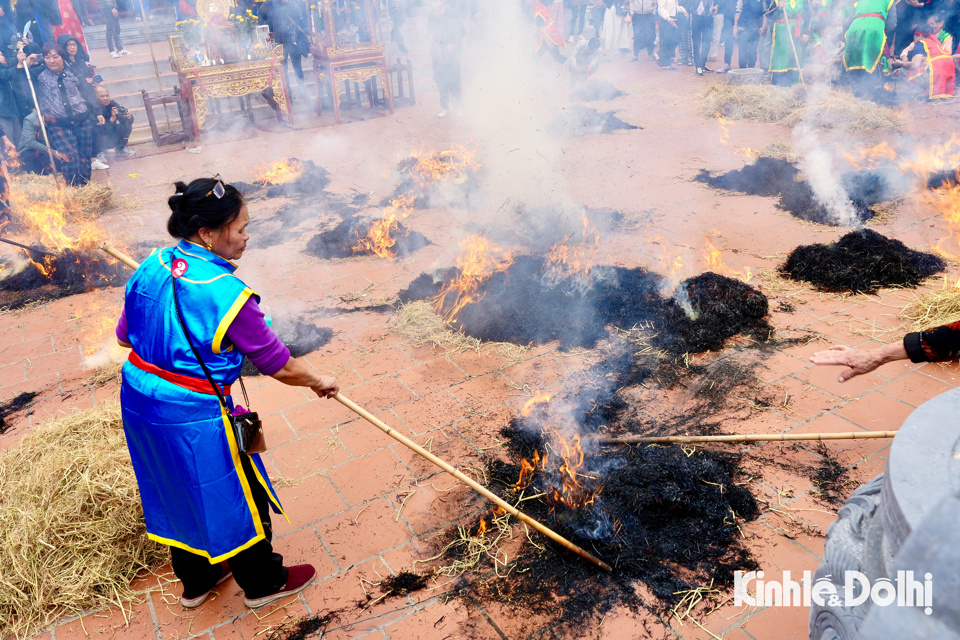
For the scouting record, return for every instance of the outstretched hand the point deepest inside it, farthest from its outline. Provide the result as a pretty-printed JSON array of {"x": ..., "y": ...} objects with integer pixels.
[{"x": 857, "y": 362}]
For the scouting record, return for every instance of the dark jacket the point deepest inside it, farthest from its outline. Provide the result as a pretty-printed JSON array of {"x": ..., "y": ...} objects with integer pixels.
[
  {"x": 79, "y": 65},
  {"x": 286, "y": 19},
  {"x": 9, "y": 107}
]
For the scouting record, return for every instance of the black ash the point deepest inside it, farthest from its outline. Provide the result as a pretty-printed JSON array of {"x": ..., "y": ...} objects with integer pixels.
[
  {"x": 16, "y": 404},
  {"x": 577, "y": 120},
  {"x": 71, "y": 272},
  {"x": 348, "y": 239}
]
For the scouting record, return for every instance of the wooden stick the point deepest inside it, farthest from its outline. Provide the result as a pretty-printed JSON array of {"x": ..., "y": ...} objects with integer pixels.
[
  {"x": 763, "y": 437},
  {"x": 121, "y": 256},
  {"x": 483, "y": 491},
  {"x": 23, "y": 246}
]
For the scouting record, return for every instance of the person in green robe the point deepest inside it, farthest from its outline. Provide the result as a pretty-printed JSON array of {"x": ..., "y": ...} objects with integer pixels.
[
  {"x": 864, "y": 42},
  {"x": 791, "y": 32}
]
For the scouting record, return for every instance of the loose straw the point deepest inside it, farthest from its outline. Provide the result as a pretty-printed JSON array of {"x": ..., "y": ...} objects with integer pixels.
[
  {"x": 764, "y": 437},
  {"x": 483, "y": 491},
  {"x": 410, "y": 444}
]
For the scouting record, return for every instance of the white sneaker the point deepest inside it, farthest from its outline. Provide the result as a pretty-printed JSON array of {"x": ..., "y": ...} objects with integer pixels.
[
  {"x": 114, "y": 54},
  {"x": 124, "y": 52},
  {"x": 98, "y": 165},
  {"x": 128, "y": 152},
  {"x": 102, "y": 157},
  {"x": 442, "y": 114}
]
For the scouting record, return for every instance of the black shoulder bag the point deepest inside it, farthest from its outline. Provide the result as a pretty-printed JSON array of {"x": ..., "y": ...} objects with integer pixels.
[{"x": 246, "y": 426}]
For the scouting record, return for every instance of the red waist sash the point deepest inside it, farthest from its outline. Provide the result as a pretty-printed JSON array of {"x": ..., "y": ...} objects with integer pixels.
[
  {"x": 187, "y": 382},
  {"x": 871, "y": 15}
]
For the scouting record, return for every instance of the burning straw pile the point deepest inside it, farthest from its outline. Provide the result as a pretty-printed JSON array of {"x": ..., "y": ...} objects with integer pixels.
[
  {"x": 432, "y": 178},
  {"x": 88, "y": 201},
  {"x": 861, "y": 262},
  {"x": 72, "y": 535},
  {"x": 774, "y": 177},
  {"x": 386, "y": 237},
  {"x": 531, "y": 300},
  {"x": 788, "y": 107}
]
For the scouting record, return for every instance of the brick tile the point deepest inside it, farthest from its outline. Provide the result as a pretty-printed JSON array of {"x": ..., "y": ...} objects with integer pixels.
[
  {"x": 433, "y": 503},
  {"x": 320, "y": 416},
  {"x": 916, "y": 387},
  {"x": 379, "y": 394},
  {"x": 825, "y": 378},
  {"x": 443, "y": 442},
  {"x": 847, "y": 452},
  {"x": 308, "y": 501},
  {"x": 276, "y": 430},
  {"x": 363, "y": 532},
  {"x": 378, "y": 363},
  {"x": 175, "y": 621},
  {"x": 31, "y": 347},
  {"x": 432, "y": 376},
  {"x": 430, "y": 411},
  {"x": 804, "y": 401},
  {"x": 360, "y": 437},
  {"x": 339, "y": 286},
  {"x": 483, "y": 429},
  {"x": 45, "y": 385},
  {"x": 375, "y": 338},
  {"x": 876, "y": 412},
  {"x": 12, "y": 374},
  {"x": 308, "y": 455},
  {"x": 273, "y": 396},
  {"x": 304, "y": 547},
  {"x": 436, "y": 620},
  {"x": 59, "y": 361},
  {"x": 110, "y": 624},
  {"x": 256, "y": 624},
  {"x": 372, "y": 475},
  {"x": 476, "y": 364},
  {"x": 480, "y": 394},
  {"x": 782, "y": 623},
  {"x": 347, "y": 596}
]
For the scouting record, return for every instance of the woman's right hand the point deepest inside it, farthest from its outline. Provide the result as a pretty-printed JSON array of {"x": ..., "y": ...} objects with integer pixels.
[{"x": 326, "y": 386}]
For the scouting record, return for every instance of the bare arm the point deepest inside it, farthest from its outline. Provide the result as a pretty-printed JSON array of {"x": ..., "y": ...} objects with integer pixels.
[
  {"x": 298, "y": 373},
  {"x": 859, "y": 361}
]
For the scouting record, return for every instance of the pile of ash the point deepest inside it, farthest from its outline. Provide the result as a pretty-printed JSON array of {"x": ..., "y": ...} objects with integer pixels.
[
  {"x": 534, "y": 302},
  {"x": 432, "y": 179},
  {"x": 862, "y": 261},
  {"x": 577, "y": 120},
  {"x": 299, "y": 336},
  {"x": 310, "y": 182},
  {"x": 596, "y": 90},
  {"x": 69, "y": 273},
  {"x": 773, "y": 177},
  {"x": 352, "y": 237}
]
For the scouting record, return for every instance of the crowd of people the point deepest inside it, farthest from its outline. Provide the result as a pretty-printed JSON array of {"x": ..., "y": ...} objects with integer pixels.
[
  {"x": 81, "y": 124},
  {"x": 871, "y": 41}
]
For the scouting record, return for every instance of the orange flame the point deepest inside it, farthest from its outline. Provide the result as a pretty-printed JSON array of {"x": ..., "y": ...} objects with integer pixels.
[
  {"x": 577, "y": 257},
  {"x": 871, "y": 157},
  {"x": 724, "y": 129},
  {"x": 714, "y": 259},
  {"x": 946, "y": 199},
  {"x": 571, "y": 493},
  {"x": 281, "y": 172},
  {"x": 483, "y": 528},
  {"x": 479, "y": 261},
  {"x": 429, "y": 166},
  {"x": 538, "y": 398},
  {"x": 940, "y": 157},
  {"x": 383, "y": 234},
  {"x": 527, "y": 469}
]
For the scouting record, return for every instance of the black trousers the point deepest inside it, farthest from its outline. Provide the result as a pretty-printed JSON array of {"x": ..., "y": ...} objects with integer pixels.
[
  {"x": 112, "y": 23},
  {"x": 726, "y": 36},
  {"x": 644, "y": 33},
  {"x": 258, "y": 570},
  {"x": 446, "y": 73},
  {"x": 669, "y": 39},
  {"x": 702, "y": 29},
  {"x": 578, "y": 19},
  {"x": 748, "y": 42},
  {"x": 113, "y": 135},
  {"x": 293, "y": 53}
]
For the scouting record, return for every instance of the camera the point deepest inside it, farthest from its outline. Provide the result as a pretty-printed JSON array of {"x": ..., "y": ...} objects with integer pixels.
[
  {"x": 97, "y": 79},
  {"x": 121, "y": 110}
]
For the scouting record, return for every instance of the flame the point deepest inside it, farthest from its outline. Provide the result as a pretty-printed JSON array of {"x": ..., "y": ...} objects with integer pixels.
[
  {"x": 577, "y": 256},
  {"x": 939, "y": 157},
  {"x": 483, "y": 528},
  {"x": 527, "y": 469},
  {"x": 946, "y": 199},
  {"x": 479, "y": 261},
  {"x": 538, "y": 398},
  {"x": 747, "y": 152},
  {"x": 724, "y": 126},
  {"x": 429, "y": 166},
  {"x": 571, "y": 493},
  {"x": 714, "y": 259},
  {"x": 282, "y": 172},
  {"x": 383, "y": 233},
  {"x": 871, "y": 157}
]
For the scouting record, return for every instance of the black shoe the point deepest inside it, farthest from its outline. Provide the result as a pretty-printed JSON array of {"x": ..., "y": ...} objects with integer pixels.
[{"x": 707, "y": 69}]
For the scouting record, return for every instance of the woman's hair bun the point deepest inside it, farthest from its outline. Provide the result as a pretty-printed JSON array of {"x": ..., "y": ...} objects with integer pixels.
[{"x": 191, "y": 208}]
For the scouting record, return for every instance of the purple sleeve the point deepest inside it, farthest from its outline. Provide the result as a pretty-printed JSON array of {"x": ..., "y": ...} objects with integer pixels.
[
  {"x": 252, "y": 337},
  {"x": 123, "y": 335}
]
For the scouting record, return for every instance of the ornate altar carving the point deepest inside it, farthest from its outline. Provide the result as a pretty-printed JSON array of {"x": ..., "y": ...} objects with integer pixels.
[
  {"x": 228, "y": 80},
  {"x": 349, "y": 47}
]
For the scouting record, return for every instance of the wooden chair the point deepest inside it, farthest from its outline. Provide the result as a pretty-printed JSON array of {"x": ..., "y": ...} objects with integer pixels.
[
  {"x": 399, "y": 70},
  {"x": 186, "y": 123}
]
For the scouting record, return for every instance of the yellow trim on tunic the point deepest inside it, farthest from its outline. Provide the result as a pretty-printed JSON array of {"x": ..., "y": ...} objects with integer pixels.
[
  {"x": 165, "y": 266},
  {"x": 229, "y": 317},
  {"x": 266, "y": 488},
  {"x": 200, "y": 552}
]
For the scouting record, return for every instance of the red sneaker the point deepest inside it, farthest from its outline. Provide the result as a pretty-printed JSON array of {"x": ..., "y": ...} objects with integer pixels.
[
  {"x": 298, "y": 578},
  {"x": 193, "y": 603}
]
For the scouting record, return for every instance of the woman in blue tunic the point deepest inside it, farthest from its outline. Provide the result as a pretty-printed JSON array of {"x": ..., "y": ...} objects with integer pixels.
[{"x": 201, "y": 496}]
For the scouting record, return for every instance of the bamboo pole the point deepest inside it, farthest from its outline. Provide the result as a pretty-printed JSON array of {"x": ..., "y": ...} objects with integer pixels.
[
  {"x": 483, "y": 491},
  {"x": 23, "y": 246},
  {"x": 763, "y": 437},
  {"x": 410, "y": 444},
  {"x": 121, "y": 256}
]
